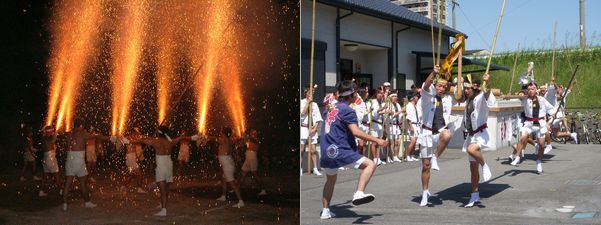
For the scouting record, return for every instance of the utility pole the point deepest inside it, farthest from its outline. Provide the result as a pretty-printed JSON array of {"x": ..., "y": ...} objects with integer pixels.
[
  {"x": 454, "y": 2},
  {"x": 582, "y": 34}
]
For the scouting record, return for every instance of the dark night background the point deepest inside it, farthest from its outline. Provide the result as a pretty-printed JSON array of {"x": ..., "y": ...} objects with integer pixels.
[{"x": 24, "y": 52}]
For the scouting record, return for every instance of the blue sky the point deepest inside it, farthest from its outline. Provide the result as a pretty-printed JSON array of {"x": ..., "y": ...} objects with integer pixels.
[{"x": 529, "y": 22}]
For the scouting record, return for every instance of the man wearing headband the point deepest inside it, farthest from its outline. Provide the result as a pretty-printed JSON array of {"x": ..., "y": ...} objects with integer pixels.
[
  {"x": 309, "y": 137},
  {"x": 340, "y": 150},
  {"x": 377, "y": 109},
  {"x": 164, "y": 169},
  {"x": 435, "y": 135},
  {"x": 413, "y": 122},
  {"x": 477, "y": 106},
  {"x": 75, "y": 165},
  {"x": 49, "y": 163},
  {"x": 535, "y": 107},
  {"x": 553, "y": 96}
]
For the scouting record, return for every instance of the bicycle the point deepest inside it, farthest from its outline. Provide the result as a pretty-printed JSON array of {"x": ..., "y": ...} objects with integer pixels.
[{"x": 585, "y": 133}]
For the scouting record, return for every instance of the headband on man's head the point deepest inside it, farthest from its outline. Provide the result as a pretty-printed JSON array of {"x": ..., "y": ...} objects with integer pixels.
[{"x": 347, "y": 93}]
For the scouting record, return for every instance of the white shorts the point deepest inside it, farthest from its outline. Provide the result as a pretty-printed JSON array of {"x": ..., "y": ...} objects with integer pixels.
[
  {"x": 228, "y": 166},
  {"x": 395, "y": 130},
  {"x": 90, "y": 153},
  {"x": 250, "y": 162},
  {"x": 131, "y": 161},
  {"x": 376, "y": 130},
  {"x": 76, "y": 165},
  {"x": 305, "y": 135},
  {"x": 334, "y": 171},
  {"x": 556, "y": 122},
  {"x": 49, "y": 163},
  {"x": 428, "y": 143},
  {"x": 537, "y": 131},
  {"x": 184, "y": 153},
  {"x": 416, "y": 131},
  {"x": 482, "y": 139},
  {"x": 164, "y": 169}
]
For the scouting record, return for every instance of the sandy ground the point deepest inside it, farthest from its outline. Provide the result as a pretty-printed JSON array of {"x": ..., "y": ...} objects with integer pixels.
[{"x": 191, "y": 201}]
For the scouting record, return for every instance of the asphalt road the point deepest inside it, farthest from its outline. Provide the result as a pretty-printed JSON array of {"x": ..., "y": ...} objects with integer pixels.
[{"x": 515, "y": 194}]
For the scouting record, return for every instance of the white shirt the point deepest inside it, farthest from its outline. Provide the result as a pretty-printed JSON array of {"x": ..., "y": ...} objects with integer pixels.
[
  {"x": 481, "y": 108},
  {"x": 428, "y": 106},
  {"x": 360, "y": 108},
  {"x": 545, "y": 107},
  {"x": 376, "y": 117},
  {"x": 412, "y": 112},
  {"x": 316, "y": 115}
]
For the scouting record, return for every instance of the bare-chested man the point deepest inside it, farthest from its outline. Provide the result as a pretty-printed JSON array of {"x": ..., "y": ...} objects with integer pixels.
[
  {"x": 224, "y": 153},
  {"x": 251, "y": 162},
  {"x": 75, "y": 165}
]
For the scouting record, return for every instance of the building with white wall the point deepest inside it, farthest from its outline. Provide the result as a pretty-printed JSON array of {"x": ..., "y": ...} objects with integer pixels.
[{"x": 372, "y": 41}]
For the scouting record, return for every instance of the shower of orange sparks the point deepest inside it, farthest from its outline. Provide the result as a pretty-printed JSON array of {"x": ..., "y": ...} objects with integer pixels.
[
  {"x": 219, "y": 19},
  {"x": 127, "y": 50},
  {"x": 165, "y": 68},
  {"x": 75, "y": 33},
  {"x": 169, "y": 19},
  {"x": 233, "y": 95}
]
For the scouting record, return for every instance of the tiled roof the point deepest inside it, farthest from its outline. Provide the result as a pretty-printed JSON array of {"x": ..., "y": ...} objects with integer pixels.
[{"x": 390, "y": 11}]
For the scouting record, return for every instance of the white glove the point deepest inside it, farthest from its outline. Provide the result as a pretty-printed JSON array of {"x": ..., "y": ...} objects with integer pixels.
[
  {"x": 194, "y": 137},
  {"x": 124, "y": 140},
  {"x": 113, "y": 139}
]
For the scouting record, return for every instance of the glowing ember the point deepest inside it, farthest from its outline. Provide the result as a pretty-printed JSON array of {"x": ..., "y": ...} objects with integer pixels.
[
  {"x": 233, "y": 96},
  {"x": 127, "y": 50}
]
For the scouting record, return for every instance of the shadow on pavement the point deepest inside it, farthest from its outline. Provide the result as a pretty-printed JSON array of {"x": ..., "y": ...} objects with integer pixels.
[
  {"x": 460, "y": 193},
  {"x": 343, "y": 210}
]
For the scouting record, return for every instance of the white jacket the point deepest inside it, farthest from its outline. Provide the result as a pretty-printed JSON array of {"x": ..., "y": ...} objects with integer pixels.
[
  {"x": 545, "y": 107},
  {"x": 428, "y": 106},
  {"x": 316, "y": 115},
  {"x": 481, "y": 108}
]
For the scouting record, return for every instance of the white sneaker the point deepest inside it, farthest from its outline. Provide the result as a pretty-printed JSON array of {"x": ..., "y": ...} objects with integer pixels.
[
  {"x": 475, "y": 198},
  {"x": 36, "y": 178},
  {"x": 434, "y": 162},
  {"x": 388, "y": 160},
  {"x": 42, "y": 194},
  {"x": 396, "y": 159},
  {"x": 511, "y": 157},
  {"x": 326, "y": 214},
  {"x": 539, "y": 166},
  {"x": 263, "y": 192},
  {"x": 240, "y": 204},
  {"x": 360, "y": 198},
  {"x": 377, "y": 161},
  {"x": 425, "y": 195},
  {"x": 536, "y": 147},
  {"x": 574, "y": 136},
  {"x": 141, "y": 191},
  {"x": 301, "y": 173},
  {"x": 548, "y": 149},
  {"x": 515, "y": 161},
  {"x": 163, "y": 212},
  {"x": 381, "y": 162},
  {"x": 222, "y": 198},
  {"x": 409, "y": 159},
  {"x": 316, "y": 172},
  {"x": 414, "y": 159},
  {"x": 89, "y": 205},
  {"x": 64, "y": 206},
  {"x": 486, "y": 174}
]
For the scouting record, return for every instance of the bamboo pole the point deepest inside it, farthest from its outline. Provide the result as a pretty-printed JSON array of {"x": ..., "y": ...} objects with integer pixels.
[
  {"x": 515, "y": 63},
  {"x": 494, "y": 42},
  {"x": 440, "y": 5},
  {"x": 432, "y": 33},
  {"x": 310, "y": 112},
  {"x": 553, "y": 55}
]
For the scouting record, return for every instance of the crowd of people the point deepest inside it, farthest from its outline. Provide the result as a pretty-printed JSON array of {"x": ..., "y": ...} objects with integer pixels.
[
  {"x": 83, "y": 146},
  {"x": 361, "y": 132}
]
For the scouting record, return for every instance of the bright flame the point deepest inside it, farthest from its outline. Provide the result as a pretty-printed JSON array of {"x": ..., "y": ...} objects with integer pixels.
[
  {"x": 165, "y": 58},
  {"x": 75, "y": 34},
  {"x": 218, "y": 22},
  {"x": 233, "y": 95},
  {"x": 127, "y": 50}
]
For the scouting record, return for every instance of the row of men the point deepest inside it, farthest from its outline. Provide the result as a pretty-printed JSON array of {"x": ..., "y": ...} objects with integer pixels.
[
  {"x": 381, "y": 116},
  {"x": 432, "y": 130},
  {"x": 162, "y": 143}
]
